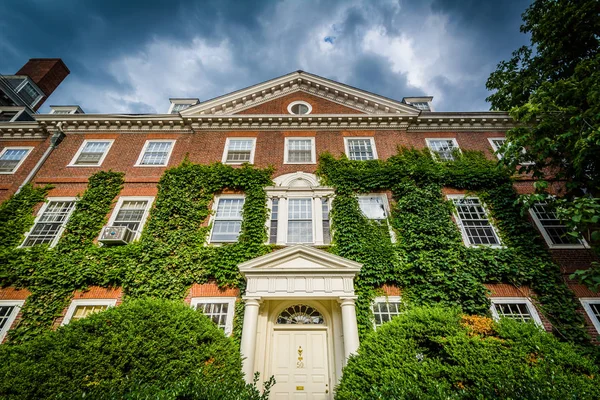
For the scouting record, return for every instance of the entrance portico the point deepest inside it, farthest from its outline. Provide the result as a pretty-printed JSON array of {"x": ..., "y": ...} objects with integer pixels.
[{"x": 299, "y": 278}]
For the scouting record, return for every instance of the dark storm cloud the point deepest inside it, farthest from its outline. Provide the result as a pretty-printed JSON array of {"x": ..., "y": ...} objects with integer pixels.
[{"x": 131, "y": 56}]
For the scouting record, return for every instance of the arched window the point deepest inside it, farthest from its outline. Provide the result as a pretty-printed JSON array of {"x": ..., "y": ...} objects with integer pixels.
[{"x": 300, "y": 314}]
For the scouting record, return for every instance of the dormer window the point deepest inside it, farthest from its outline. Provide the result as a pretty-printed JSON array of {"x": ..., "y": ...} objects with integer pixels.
[
  {"x": 299, "y": 108},
  {"x": 178, "y": 105},
  {"x": 421, "y": 103},
  {"x": 64, "y": 110}
]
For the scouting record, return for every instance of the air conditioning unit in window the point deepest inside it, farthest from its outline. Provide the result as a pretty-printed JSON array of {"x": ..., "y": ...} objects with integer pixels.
[{"x": 116, "y": 235}]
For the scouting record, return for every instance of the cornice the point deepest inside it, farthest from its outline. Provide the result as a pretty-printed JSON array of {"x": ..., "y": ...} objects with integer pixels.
[
  {"x": 22, "y": 130},
  {"x": 462, "y": 121},
  {"x": 84, "y": 123}
]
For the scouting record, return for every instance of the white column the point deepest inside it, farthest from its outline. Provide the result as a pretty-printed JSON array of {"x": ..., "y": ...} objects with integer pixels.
[
  {"x": 349, "y": 326},
  {"x": 248, "y": 344}
]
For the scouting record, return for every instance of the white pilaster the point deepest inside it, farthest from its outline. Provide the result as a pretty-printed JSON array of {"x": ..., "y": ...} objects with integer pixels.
[
  {"x": 248, "y": 344},
  {"x": 349, "y": 326}
]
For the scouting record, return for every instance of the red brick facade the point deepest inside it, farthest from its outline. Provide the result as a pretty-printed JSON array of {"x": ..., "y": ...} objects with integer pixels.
[{"x": 207, "y": 146}]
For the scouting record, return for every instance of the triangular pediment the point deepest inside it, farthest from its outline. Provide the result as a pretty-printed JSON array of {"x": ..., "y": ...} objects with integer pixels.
[
  {"x": 347, "y": 99},
  {"x": 299, "y": 258}
]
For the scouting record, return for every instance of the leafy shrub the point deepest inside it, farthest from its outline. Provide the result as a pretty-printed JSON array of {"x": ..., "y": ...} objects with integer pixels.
[
  {"x": 142, "y": 349},
  {"x": 438, "y": 353}
]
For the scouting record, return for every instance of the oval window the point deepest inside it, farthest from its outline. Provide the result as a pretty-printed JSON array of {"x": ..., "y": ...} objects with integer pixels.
[{"x": 299, "y": 108}]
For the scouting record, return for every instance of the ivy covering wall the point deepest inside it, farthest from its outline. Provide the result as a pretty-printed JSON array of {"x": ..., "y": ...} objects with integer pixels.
[{"x": 428, "y": 260}]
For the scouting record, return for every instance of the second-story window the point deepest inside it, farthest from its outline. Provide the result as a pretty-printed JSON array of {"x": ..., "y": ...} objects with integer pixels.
[
  {"x": 156, "y": 153},
  {"x": 227, "y": 222},
  {"x": 91, "y": 153},
  {"x": 443, "y": 149},
  {"x": 473, "y": 221},
  {"x": 131, "y": 212},
  {"x": 51, "y": 222},
  {"x": 300, "y": 223},
  {"x": 360, "y": 148},
  {"x": 239, "y": 150},
  {"x": 11, "y": 158},
  {"x": 373, "y": 207},
  {"x": 553, "y": 230},
  {"x": 300, "y": 151}
]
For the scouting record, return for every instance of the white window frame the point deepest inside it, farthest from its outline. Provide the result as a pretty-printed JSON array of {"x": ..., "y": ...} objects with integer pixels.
[
  {"x": 5, "y": 149},
  {"x": 347, "y": 145},
  {"x": 35, "y": 87},
  {"x": 500, "y": 156},
  {"x": 85, "y": 142},
  {"x": 386, "y": 206},
  {"x": 41, "y": 212},
  {"x": 122, "y": 199},
  {"x": 511, "y": 300},
  {"x": 226, "y": 151},
  {"x": 585, "y": 302},
  {"x": 293, "y": 103},
  {"x": 195, "y": 301},
  {"x": 17, "y": 304},
  {"x": 313, "y": 150},
  {"x": 582, "y": 245},
  {"x": 141, "y": 156},
  {"x": 461, "y": 226},
  {"x": 86, "y": 302},
  {"x": 434, "y": 154},
  {"x": 383, "y": 299},
  {"x": 213, "y": 216}
]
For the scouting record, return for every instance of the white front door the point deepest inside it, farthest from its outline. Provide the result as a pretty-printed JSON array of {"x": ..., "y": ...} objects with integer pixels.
[{"x": 299, "y": 364}]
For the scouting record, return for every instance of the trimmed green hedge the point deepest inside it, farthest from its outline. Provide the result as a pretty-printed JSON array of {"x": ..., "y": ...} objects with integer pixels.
[
  {"x": 439, "y": 353},
  {"x": 145, "y": 348}
]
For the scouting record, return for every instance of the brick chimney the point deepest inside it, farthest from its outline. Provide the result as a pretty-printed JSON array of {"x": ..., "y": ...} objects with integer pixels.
[{"x": 47, "y": 73}]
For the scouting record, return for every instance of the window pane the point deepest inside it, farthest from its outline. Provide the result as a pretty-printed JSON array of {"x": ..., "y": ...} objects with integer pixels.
[
  {"x": 92, "y": 153},
  {"x": 385, "y": 311},
  {"x": 156, "y": 153},
  {"x": 300, "y": 150},
  {"x": 84, "y": 311},
  {"x": 131, "y": 214},
  {"x": 49, "y": 224},
  {"x": 326, "y": 226},
  {"x": 5, "y": 313},
  {"x": 556, "y": 231},
  {"x": 217, "y": 312},
  {"x": 300, "y": 221},
  {"x": 239, "y": 150},
  {"x": 360, "y": 149},
  {"x": 228, "y": 220},
  {"x": 475, "y": 222},
  {"x": 518, "y": 311},
  {"x": 372, "y": 207},
  {"x": 11, "y": 158},
  {"x": 443, "y": 148},
  {"x": 274, "y": 220}
]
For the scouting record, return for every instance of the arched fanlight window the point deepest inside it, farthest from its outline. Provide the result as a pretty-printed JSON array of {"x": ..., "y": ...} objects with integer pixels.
[{"x": 300, "y": 314}]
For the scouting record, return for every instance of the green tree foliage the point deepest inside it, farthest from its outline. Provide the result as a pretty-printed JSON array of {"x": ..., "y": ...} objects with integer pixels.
[
  {"x": 439, "y": 353},
  {"x": 552, "y": 87},
  {"x": 142, "y": 349}
]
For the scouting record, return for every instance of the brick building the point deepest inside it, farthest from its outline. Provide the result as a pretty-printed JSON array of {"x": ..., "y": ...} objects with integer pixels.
[{"x": 285, "y": 122}]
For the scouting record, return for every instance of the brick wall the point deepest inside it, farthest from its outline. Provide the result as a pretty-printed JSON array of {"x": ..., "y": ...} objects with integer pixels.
[
  {"x": 47, "y": 73},
  {"x": 319, "y": 106},
  {"x": 93, "y": 292},
  {"x": 9, "y": 183}
]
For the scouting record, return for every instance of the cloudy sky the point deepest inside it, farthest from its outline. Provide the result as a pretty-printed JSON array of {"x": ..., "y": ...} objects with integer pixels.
[{"x": 130, "y": 58}]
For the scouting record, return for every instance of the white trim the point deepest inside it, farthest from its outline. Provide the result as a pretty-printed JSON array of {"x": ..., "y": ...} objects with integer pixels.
[
  {"x": 28, "y": 148},
  {"x": 383, "y": 299},
  {"x": 141, "y": 156},
  {"x": 347, "y": 146},
  {"x": 113, "y": 215},
  {"x": 230, "y": 309},
  {"x": 516, "y": 300},
  {"x": 313, "y": 150},
  {"x": 110, "y": 143},
  {"x": 86, "y": 302},
  {"x": 582, "y": 245},
  {"x": 215, "y": 206},
  {"x": 585, "y": 302},
  {"x": 13, "y": 315},
  {"x": 293, "y": 103},
  {"x": 462, "y": 229},
  {"x": 226, "y": 150},
  {"x": 434, "y": 154},
  {"x": 41, "y": 212},
  {"x": 29, "y": 81}
]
